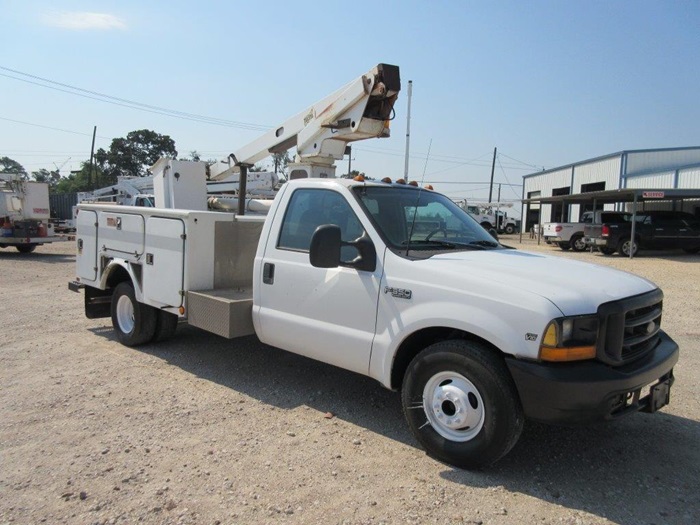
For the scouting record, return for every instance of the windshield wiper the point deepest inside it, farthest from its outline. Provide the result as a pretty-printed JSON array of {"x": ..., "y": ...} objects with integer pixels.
[
  {"x": 485, "y": 243},
  {"x": 474, "y": 245}
]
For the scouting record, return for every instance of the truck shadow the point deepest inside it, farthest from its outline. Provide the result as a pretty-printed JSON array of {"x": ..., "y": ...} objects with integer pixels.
[
  {"x": 10, "y": 253},
  {"x": 625, "y": 472}
]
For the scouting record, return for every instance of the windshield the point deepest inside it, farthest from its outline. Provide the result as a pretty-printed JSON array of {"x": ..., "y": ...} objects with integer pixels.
[{"x": 421, "y": 220}]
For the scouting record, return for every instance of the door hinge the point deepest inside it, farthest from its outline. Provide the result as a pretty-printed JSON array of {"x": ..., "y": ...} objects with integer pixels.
[{"x": 182, "y": 293}]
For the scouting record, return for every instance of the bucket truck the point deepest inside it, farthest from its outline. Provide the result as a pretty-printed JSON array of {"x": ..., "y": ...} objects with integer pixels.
[
  {"x": 24, "y": 214},
  {"x": 385, "y": 279}
]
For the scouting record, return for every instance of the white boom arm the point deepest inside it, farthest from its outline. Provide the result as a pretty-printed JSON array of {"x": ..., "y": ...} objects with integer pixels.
[{"x": 360, "y": 110}]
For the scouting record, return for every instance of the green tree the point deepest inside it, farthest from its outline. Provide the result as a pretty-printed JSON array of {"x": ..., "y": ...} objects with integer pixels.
[
  {"x": 133, "y": 154},
  {"x": 280, "y": 162},
  {"x": 43, "y": 175},
  {"x": 8, "y": 165},
  {"x": 83, "y": 180},
  {"x": 257, "y": 167}
]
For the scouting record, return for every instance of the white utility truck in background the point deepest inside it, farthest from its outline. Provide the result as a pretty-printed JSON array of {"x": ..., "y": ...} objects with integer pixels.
[
  {"x": 25, "y": 214},
  {"x": 385, "y": 279},
  {"x": 490, "y": 216}
]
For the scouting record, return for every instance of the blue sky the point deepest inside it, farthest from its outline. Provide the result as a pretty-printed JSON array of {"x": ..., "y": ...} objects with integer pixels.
[{"x": 547, "y": 82}]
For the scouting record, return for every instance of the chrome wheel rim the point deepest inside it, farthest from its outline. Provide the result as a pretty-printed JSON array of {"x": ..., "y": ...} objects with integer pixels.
[
  {"x": 125, "y": 314},
  {"x": 454, "y": 406}
]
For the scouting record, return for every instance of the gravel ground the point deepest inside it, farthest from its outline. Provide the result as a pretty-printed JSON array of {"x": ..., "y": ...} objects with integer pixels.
[{"x": 202, "y": 430}]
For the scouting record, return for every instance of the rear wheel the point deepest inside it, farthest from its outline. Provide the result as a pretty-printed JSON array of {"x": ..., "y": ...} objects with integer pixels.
[
  {"x": 26, "y": 248},
  {"x": 626, "y": 246},
  {"x": 577, "y": 243},
  {"x": 461, "y": 404},
  {"x": 134, "y": 322}
]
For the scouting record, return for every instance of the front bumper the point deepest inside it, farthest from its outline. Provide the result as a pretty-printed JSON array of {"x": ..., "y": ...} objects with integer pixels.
[{"x": 589, "y": 391}]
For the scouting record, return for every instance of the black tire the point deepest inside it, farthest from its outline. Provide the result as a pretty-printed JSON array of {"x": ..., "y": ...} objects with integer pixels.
[
  {"x": 606, "y": 251},
  {"x": 481, "y": 380},
  {"x": 577, "y": 244},
  {"x": 564, "y": 245},
  {"x": 166, "y": 324},
  {"x": 134, "y": 322},
  {"x": 692, "y": 250},
  {"x": 25, "y": 248},
  {"x": 510, "y": 229},
  {"x": 623, "y": 248}
]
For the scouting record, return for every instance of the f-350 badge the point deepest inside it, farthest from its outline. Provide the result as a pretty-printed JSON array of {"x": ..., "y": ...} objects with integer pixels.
[{"x": 399, "y": 293}]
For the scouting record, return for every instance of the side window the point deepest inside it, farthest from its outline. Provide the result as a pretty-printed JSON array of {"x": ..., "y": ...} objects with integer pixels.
[{"x": 309, "y": 209}]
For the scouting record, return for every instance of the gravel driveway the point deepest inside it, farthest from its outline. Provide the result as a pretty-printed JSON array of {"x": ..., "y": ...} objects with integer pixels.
[{"x": 202, "y": 430}]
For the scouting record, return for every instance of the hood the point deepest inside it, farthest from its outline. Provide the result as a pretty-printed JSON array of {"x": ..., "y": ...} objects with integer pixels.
[{"x": 574, "y": 287}]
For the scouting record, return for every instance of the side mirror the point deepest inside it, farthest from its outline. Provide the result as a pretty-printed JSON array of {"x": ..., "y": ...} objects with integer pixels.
[{"x": 324, "y": 251}]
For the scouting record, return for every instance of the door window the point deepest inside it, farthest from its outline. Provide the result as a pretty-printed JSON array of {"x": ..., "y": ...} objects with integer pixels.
[{"x": 310, "y": 208}]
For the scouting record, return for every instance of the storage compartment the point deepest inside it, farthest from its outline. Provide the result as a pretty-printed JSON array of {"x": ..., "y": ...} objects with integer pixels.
[{"x": 228, "y": 313}]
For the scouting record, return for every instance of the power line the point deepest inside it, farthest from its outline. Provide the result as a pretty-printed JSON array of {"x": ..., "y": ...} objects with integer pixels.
[
  {"x": 50, "y": 127},
  {"x": 101, "y": 97},
  {"x": 506, "y": 177}
]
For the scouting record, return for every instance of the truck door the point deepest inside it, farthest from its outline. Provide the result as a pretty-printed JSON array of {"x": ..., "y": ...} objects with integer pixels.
[{"x": 325, "y": 314}]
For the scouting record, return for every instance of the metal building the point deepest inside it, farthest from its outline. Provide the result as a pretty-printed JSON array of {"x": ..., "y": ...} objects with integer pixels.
[{"x": 668, "y": 168}]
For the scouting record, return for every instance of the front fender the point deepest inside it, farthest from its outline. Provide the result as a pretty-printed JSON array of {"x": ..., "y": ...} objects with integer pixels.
[{"x": 512, "y": 329}]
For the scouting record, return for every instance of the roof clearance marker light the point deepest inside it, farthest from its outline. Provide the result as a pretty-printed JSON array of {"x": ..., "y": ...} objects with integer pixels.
[
  {"x": 400, "y": 181},
  {"x": 413, "y": 183},
  {"x": 429, "y": 187},
  {"x": 387, "y": 180},
  {"x": 359, "y": 178}
]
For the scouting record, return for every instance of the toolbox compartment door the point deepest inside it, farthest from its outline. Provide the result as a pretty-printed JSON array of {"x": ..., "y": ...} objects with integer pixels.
[
  {"x": 86, "y": 239},
  {"x": 163, "y": 264}
]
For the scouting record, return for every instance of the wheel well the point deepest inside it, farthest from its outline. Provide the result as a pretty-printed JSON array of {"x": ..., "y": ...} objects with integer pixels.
[
  {"x": 421, "y": 339},
  {"x": 486, "y": 224},
  {"x": 117, "y": 275}
]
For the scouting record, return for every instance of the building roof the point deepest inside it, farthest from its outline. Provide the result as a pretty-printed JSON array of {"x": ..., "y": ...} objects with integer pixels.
[
  {"x": 622, "y": 195},
  {"x": 608, "y": 156}
]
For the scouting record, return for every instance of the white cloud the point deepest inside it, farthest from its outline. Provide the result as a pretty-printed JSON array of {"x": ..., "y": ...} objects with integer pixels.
[{"x": 77, "y": 20}]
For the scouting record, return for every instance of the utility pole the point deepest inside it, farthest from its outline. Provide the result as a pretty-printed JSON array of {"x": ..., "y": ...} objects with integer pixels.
[
  {"x": 493, "y": 168},
  {"x": 349, "y": 152},
  {"x": 92, "y": 153},
  {"x": 408, "y": 129}
]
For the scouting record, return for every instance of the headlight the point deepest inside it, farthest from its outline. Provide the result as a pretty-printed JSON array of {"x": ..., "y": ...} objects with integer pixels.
[{"x": 570, "y": 339}]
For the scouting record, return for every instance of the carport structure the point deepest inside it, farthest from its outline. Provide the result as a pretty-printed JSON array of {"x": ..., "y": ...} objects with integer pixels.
[{"x": 635, "y": 196}]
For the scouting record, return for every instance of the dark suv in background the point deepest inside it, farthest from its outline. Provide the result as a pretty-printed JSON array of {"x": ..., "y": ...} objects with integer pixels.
[{"x": 654, "y": 230}]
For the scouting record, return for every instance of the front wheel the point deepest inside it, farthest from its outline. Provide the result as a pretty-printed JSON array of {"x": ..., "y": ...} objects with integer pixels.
[
  {"x": 510, "y": 229},
  {"x": 134, "y": 322},
  {"x": 461, "y": 404}
]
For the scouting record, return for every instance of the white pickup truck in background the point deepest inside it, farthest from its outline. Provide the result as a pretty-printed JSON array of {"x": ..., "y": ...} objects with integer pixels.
[
  {"x": 385, "y": 279},
  {"x": 571, "y": 234}
]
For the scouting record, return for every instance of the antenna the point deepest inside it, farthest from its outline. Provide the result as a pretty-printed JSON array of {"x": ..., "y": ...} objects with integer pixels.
[{"x": 420, "y": 190}]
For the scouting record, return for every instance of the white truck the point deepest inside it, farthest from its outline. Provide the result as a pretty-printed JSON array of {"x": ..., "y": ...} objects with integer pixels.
[
  {"x": 25, "y": 214},
  {"x": 388, "y": 280},
  {"x": 490, "y": 216}
]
